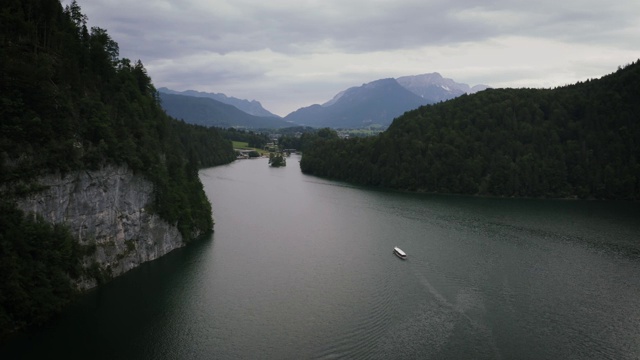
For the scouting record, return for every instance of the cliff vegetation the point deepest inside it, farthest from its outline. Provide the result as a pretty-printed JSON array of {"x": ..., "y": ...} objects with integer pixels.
[{"x": 69, "y": 103}]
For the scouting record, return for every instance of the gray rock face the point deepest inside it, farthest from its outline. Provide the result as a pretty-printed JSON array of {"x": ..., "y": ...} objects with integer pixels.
[
  {"x": 435, "y": 88},
  {"x": 105, "y": 210}
]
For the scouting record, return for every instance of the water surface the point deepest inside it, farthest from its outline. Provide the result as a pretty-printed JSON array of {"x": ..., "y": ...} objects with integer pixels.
[{"x": 301, "y": 267}]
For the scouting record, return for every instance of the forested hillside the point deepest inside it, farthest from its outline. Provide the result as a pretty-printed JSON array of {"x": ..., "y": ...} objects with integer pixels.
[
  {"x": 69, "y": 102},
  {"x": 574, "y": 141}
]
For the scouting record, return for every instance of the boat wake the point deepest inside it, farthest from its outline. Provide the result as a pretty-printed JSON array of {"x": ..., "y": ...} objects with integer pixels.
[{"x": 468, "y": 305}]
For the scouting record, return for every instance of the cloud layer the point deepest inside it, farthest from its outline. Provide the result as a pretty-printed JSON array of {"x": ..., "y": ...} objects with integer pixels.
[{"x": 288, "y": 54}]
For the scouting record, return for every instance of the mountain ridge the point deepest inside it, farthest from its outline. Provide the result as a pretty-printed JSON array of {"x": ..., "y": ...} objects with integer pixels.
[
  {"x": 436, "y": 88},
  {"x": 374, "y": 105},
  {"x": 251, "y": 107},
  {"x": 210, "y": 112}
]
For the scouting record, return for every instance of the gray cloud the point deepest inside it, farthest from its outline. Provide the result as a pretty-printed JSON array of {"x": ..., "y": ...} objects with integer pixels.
[
  {"x": 349, "y": 26},
  {"x": 251, "y": 44}
]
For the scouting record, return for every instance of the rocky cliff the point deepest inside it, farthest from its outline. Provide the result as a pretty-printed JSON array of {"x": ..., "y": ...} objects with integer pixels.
[{"x": 107, "y": 212}]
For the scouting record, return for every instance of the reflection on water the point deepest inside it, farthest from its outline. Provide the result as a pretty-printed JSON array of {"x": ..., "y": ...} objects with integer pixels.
[{"x": 301, "y": 267}]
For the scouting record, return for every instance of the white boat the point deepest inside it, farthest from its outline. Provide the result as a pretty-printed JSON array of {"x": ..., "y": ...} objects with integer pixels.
[{"x": 399, "y": 253}]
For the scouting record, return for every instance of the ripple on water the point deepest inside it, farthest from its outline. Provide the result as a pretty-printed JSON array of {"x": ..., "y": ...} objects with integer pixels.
[
  {"x": 371, "y": 325},
  {"x": 421, "y": 334}
]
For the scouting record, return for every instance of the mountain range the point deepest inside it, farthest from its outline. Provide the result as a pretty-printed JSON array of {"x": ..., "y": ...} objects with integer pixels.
[
  {"x": 377, "y": 102},
  {"x": 251, "y": 107},
  {"x": 380, "y": 101},
  {"x": 209, "y": 112},
  {"x": 433, "y": 87},
  {"x": 374, "y": 103}
]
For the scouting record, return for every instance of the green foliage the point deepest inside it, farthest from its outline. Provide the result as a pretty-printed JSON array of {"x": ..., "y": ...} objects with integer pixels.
[
  {"x": 67, "y": 103},
  {"x": 574, "y": 141},
  {"x": 95, "y": 272},
  {"x": 253, "y": 139},
  {"x": 290, "y": 142},
  {"x": 37, "y": 262},
  {"x": 277, "y": 160}
]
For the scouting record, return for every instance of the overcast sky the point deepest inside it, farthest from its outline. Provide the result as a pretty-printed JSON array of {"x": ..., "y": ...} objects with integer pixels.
[{"x": 289, "y": 54}]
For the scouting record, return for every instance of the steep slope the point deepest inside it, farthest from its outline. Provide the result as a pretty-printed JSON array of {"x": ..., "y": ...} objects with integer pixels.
[
  {"x": 109, "y": 216},
  {"x": 95, "y": 178},
  {"x": 209, "y": 112},
  {"x": 377, "y": 102},
  {"x": 252, "y": 107}
]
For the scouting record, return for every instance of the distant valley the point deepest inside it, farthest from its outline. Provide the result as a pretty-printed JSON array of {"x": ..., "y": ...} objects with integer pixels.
[{"x": 374, "y": 103}]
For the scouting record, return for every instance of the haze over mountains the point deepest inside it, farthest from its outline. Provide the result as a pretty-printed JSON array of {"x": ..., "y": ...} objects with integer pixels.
[
  {"x": 251, "y": 107},
  {"x": 435, "y": 88},
  {"x": 209, "y": 112},
  {"x": 380, "y": 101},
  {"x": 374, "y": 103}
]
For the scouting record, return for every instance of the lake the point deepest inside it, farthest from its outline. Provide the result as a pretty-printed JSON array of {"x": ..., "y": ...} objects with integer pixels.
[{"x": 302, "y": 268}]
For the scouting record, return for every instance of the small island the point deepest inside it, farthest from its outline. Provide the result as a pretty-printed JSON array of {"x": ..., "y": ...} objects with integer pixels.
[{"x": 277, "y": 160}]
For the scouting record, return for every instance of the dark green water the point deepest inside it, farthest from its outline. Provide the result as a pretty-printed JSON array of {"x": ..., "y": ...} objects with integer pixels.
[{"x": 302, "y": 268}]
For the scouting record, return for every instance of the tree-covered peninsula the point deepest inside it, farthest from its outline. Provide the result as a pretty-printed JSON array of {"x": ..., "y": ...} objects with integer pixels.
[
  {"x": 578, "y": 141},
  {"x": 69, "y": 103}
]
